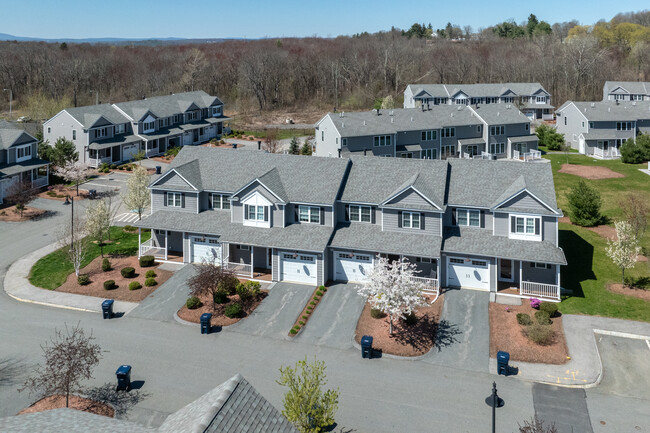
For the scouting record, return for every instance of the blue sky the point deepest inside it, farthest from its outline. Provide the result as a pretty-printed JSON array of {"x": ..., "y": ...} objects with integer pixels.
[{"x": 277, "y": 18}]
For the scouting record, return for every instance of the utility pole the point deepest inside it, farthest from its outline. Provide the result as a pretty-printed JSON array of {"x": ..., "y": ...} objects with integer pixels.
[{"x": 11, "y": 99}]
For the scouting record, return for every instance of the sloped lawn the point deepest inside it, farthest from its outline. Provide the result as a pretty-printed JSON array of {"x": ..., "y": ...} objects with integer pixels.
[{"x": 52, "y": 270}]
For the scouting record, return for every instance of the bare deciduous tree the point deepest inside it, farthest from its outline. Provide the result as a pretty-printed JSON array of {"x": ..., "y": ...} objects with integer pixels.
[
  {"x": 20, "y": 197},
  {"x": 207, "y": 279},
  {"x": 70, "y": 358},
  {"x": 271, "y": 142},
  {"x": 536, "y": 425},
  {"x": 635, "y": 211},
  {"x": 72, "y": 241}
]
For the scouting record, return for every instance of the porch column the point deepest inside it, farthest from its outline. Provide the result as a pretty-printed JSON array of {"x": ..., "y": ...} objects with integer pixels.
[
  {"x": 166, "y": 249},
  {"x": 520, "y": 275},
  {"x": 139, "y": 242},
  {"x": 438, "y": 271},
  {"x": 252, "y": 256},
  {"x": 557, "y": 277}
]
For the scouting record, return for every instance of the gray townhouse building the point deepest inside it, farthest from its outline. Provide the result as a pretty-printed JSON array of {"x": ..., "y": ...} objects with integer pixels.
[
  {"x": 20, "y": 167},
  {"x": 115, "y": 133},
  {"x": 598, "y": 129},
  {"x": 533, "y": 100},
  {"x": 479, "y": 224},
  {"x": 493, "y": 131},
  {"x": 626, "y": 91}
]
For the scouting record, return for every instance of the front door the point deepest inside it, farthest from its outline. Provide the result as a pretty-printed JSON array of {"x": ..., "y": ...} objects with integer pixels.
[
  {"x": 505, "y": 270},
  {"x": 195, "y": 135}
]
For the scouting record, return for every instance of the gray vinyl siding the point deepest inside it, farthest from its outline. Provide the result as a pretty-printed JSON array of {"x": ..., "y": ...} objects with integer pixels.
[
  {"x": 326, "y": 214},
  {"x": 239, "y": 256},
  {"x": 277, "y": 216},
  {"x": 326, "y": 139},
  {"x": 237, "y": 212},
  {"x": 61, "y": 125},
  {"x": 172, "y": 181},
  {"x": 574, "y": 124},
  {"x": 537, "y": 275},
  {"x": 501, "y": 222},
  {"x": 424, "y": 269},
  {"x": 256, "y": 187},
  {"x": 525, "y": 201},
  {"x": 410, "y": 198},
  {"x": 320, "y": 270},
  {"x": 429, "y": 221},
  {"x": 366, "y": 142},
  {"x": 185, "y": 239},
  {"x": 549, "y": 225},
  {"x": 189, "y": 202}
]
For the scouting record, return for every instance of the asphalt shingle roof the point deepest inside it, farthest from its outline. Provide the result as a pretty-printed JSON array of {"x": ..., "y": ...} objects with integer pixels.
[
  {"x": 479, "y": 90},
  {"x": 634, "y": 87},
  {"x": 495, "y": 114},
  {"x": 19, "y": 167},
  {"x": 370, "y": 237},
  {"x": 114, "y": 141},
  {"x": 611, "y": 111},
  {"x": 90, "y": 114},
  {"x": 10, "y": 135},
  {"x": 168, "y": 105},
  {"x": 482, "y": 242},
  {"x": 70, "y": 421},
  {"x": 304, "y": 179}
]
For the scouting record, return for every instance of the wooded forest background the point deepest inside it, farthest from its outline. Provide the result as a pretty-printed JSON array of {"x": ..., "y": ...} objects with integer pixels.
[{"x": 318, "y": 74}]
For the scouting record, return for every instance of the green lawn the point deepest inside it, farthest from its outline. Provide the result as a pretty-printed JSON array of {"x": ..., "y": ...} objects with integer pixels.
[
  {"x": 52, "y": 270},
  {"x": 589, "y": 269}
]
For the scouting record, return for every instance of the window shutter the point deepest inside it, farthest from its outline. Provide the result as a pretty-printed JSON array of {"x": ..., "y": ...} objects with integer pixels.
[
  {"x": 245, "y": 211},
  {"x": 453, "y": 217},
  {"x": 399, "y": 219},
  {"x": 322, "y": 216},
  {"x": 266, "y": 213},
  {"x": 537, "y": 226},
  {"x": 421, "y": 221},
  {"x": 513, "y": 225},
  {"x": 296, "y": 211},
  {"x": 347, "y": 212},
  {"x": 372, "y": 215},
  {"x": 482, "y": 219},
  {"x": 532, "y": 265},
  {"x": 210, "y": 201},
  {"x": 183, "y": 200},
  {"x": 165, "y": 199}
]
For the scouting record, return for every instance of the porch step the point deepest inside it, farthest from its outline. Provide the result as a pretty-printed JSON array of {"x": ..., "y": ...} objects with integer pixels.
[{"x": 507, "y": 300}]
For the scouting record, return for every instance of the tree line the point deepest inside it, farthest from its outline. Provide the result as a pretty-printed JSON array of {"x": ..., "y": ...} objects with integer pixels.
[{"x": 346, "y": 72}]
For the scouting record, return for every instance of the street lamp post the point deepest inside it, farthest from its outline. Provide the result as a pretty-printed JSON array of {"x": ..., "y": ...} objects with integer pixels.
[
  {"x": 71, "y": 202},
  {"x": 11, "y": 99},
  {"x": 494, "y": 401}
]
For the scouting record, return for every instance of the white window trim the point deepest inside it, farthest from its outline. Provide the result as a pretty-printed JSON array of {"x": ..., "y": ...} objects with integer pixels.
[
  {"x": 467, "y": 216},
  {"x": 525, "y": 236},
  {"x": 171, "y": 198},
  {"x": 411, "y": 218},
  {"x": 258, "y": 200},
  {"x": 359, "y": 212},
  {"x": 26, "y": 155},
  {"x": 218, "y": 201},
  {"x": 312, "y": 211}
]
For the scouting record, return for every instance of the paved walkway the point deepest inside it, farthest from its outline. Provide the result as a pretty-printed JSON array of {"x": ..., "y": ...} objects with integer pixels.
[
  {"x": 334, "y": 322},
  {"x": 277, "y": 313},
  {"x": 17, "y": 286},
  {"x": 165, "y": 301},
  {"x": 463, "y": 339}
]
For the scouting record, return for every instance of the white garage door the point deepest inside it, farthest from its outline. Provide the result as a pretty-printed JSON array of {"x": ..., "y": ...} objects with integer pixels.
[
  {"x": 352, "y": 269},
  {"x": 187, "y": 138},
  {"x": 206, "y": 250},
  {"x": 472, "y": 273},
  {"x": 129, "y": 151},
  {"x": 299, "y": 269}
]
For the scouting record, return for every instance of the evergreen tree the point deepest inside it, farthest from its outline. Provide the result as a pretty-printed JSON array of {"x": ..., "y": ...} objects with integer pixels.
[
  {"x": 306, "y": 148},
  {"x": 294, "y": 149},
  {"x": 584, "y": 205}
]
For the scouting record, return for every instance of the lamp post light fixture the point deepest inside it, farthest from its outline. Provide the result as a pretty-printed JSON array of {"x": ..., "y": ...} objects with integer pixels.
[
  {"x": 494, "y": 401},
  {"x": 11, "y": 99}
]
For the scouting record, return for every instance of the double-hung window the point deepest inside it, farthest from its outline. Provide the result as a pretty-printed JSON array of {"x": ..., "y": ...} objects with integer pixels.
[
  {"x": 637, "y": 97},
  {"x": 381, "y": 140},
  {"x": 220, "y": 201},
  {"x": 468, "y": 217},
  {"x": 255, "y": 213},
  {"x": 623, "y": 126},
  {"x": 525, "y": 227},
  {"x": 411, "y": 220},
  {"x": 497, "y": 130},
  {"x": 309, "y": 214},
  {"x": 448, "y": 132},
  {"x": 540, "y": 99},
  {"x": 148, "y": 126},
  {"x": 497, "y": 148},
  {"x": 174, "y": 199},
  {"x": 428, "y": 135},
  {"x": 359, "y": 213},
  {"x": 23, "y": 153}
]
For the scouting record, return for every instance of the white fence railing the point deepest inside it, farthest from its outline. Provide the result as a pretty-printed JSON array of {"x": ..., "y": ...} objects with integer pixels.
[
  {"x": 430, "y": 284},
  {"x": 611, "y": 152},
  {"x": 96, "y": 162},
  {"x": 466, "y": 155},
  {"x": 483, "y": 155},
  {"x": 148, "y": 248},
  {"x": 515, "y": 154},
  {"x": 528, "y": 288},
  {"x": 532, "y": 155},
  {"x": 240, "y": 268}
]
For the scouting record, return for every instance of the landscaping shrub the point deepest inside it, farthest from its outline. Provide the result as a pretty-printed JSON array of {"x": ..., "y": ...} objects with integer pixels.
[
  {"x": 549, "y": 137},
  {"x": 244, "y": 292},
  {"x": 535, "y": 303},
  {"x": 113, "y": 166},
  {"x": 150, "y": 274},
  {"x": 524, "y": 319},
  {"x": 106, "y": 265},
  {"x": 254, "y": 287},
  {"x": 134, "y": 285},
  {"x": 312, "y": 303},
  {"x": 543, "y": 318},
  {"x": 173, "y": 151},
  {"x": 234, "y": 310},
  {"x": 305, "y": 317},
  {"x": 83, "y": 279},
  {"x": 128, "y": 272},
  {"x": 221, "y": 297},
  {"x": 193, "y": 303},
  {"x": 316, "y": 298},
  {"x": 319, "y": 293},
  {"x": 635, "y": 152},
  {"x": 301, "y": 323},
  {"x": 550, "y": 308},
  {"x": 128, "y": 228},
  {"x": 109, "y": 285},
  {"x": 584, "y": 205},
  {"x": 229, "y": 285},
  {"x": 293, "y": 331},
  {"x": 322, "y": 289},
  {"x": 410, "y": 319},
  {"x": 539, "y": 334},
  {"x": 377, "y": 314},
  {"x": 146, "y": 261},
  {"x": 150, "y": 282}
]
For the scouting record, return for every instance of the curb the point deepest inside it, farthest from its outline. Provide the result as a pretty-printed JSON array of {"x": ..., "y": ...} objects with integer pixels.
[
  {"x": 185, "y": 322},
  {"x": 47, "y": 304}
]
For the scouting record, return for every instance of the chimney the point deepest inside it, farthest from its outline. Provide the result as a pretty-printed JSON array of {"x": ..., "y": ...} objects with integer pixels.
[
  {"x": 411, "y": 118},
  {"x": 364, "y": 123}
]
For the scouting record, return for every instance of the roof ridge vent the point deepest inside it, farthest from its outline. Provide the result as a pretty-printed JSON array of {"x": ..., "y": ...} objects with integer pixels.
[
  {"x": 498, "y": 113},
  {"x": 343, "y": 125},
  {"x": 391, "y": 112},
  {"x": 411, "y": 118}
]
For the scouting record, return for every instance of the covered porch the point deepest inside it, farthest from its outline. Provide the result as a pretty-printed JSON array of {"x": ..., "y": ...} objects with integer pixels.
[
  {"x": 607, "y": 149},
  {"x": 249, "y": 261},
  {"x": 427, "y": 270},
  {"x": 528, "y": 279},
  {"x": 23, "y": 176},
  {"x": 524, "y": 148},
  {"x": 164, "y": 245}
]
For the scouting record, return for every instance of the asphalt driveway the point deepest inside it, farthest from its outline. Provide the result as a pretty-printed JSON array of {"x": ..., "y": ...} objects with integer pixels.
[
  {"x": 277, "y": 313},
  {"x": 334, "y": 321},
  {"x": 168, "y": 298}
]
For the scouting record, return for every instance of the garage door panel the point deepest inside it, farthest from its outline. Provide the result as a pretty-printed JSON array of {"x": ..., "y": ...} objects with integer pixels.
[
  {"x": 206, "y": 250},
  {"x": 300, "y": 268},
  {"x": 468, "y": 273},
  {"x": 352, "y": 268}
]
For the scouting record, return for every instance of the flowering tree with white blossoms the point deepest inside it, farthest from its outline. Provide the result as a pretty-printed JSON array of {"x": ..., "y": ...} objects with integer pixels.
[
  {"x": 390, "y": 288},
  {"x": 624, "y": 250},
  {"x": 72, "y": 171}
]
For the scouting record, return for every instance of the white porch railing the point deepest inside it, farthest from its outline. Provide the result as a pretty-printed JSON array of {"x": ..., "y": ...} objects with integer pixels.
[
  {"x": 153, "y": 151},
  {"x": 528, "y": 288},
  {"x": 430, "y": 284},
  {"x": 532, "y": 155},
  {"x": 515, "y": 154},
  {"x": 466, "y": 155},
  {"x": 148, "y": 248},
  {"x": 96, "y": 162},
  {"x": 39, "y": 182},
  {"x": 240, "y": 268},
  {"x": 483, "y": 155},
  {"x": 611, "y": 152}
]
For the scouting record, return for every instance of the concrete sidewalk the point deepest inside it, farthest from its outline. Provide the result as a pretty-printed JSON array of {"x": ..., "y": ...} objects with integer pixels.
[
  {"x": 17, "y": 285},
  {"x": 584, "y": 369}
]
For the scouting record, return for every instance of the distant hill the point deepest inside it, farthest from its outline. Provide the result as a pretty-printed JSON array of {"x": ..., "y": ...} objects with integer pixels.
[{"x": 114, "y": 41}]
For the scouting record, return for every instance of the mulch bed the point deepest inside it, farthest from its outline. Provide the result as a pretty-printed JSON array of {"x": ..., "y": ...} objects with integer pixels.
[
  {"x": 218, "y": 316},
  {"x": 75, "y": 402},
  {"x": 406, "y": 340},
  {"x": 9, "y": 214},
  {"x": 636, "y": 292},
  {"x": 507, "y": 335},
  {"x": 590, "y": 171},
  {"x": 305, "y": 313},
  {"x": 62, "y": 191},
  {"x": 122, "y": 292}
]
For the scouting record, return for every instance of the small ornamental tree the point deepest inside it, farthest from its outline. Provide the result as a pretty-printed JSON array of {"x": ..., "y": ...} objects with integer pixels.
[
  {"x": 70, "y": 358},
  {"x": 207, "y": 279},
  {"x": 98, "y": 222},
  {"x": 636, "y": 210},
  {"x": 305, "y": 404},
  {"x": 306, "y": 147},
  {"x": 72, "y": 241},
  {"x": 294, "y": 148},
  {"x": 137, "y": 192},
  {"x": 390, "y": 288},
  {"x": 72, "y": 171},
  {"x": 271, "y": 142},
  {"x": 624, "y": 249},
  {"x": 584, "y": 205}
]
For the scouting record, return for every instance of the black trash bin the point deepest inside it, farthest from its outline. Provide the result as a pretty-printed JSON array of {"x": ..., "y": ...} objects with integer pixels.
[
  {"x": 107, "y": 309},
  {"x": 502, "y": 362},
  {"x": 366, "y": 346},
  {"x": 123, "y": 374},
  {"x": 158, "y": 169},
  {"x": 234, "y": 145},
  {"x": 259, "y": 144},
  {"x": 205, "y": 323}
]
